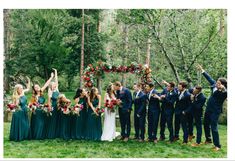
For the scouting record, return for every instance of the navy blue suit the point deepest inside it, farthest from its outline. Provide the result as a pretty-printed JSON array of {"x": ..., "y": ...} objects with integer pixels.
[
  {"x": 139, "y": 114},
  {"x": 153, "y": 115},
  {"x": 197, "y": 110},
  {"x": 182, "y": 104},
  {"x": 124, "y": 111},
  {"x": 167, "y": 111},
  {"x": 213, "y": 110}
]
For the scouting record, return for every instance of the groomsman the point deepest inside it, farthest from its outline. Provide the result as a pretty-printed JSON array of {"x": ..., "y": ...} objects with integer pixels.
[
  {"x": 139, "y": 112},
  {"x": 214, "y": 108},
  {"x": 154, "y": 110},
  {"x": 125, "y": 106},
  {"x": 168, "y": 96},
  {"x": 182, "y": 108},
  {"x": 198, "y": 100}
]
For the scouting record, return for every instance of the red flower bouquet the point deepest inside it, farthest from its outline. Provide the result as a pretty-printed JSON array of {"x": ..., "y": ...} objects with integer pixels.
[
  {"x": 111, "y": 105},
  {"x": 12, "y": 107},
  {"x": 77, "y": 108},
  {"x": 48, "y": 110}
]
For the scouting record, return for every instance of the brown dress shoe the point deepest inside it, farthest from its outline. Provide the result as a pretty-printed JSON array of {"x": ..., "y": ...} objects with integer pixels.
[
  {"x": 190, "y": 138},
  {"x": 126, "y": 139},
  {"x": 208, "y": 142},
  {"x": 195, "y": 144},
  {"x": 216, "y": 148},
  {"x": 176, "y": 138},
  {"x": 141, "y": 140}
]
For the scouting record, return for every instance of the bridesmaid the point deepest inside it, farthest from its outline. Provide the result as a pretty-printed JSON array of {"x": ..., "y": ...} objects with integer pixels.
[
  {"x": 94, "y": 127},
  {"x": 38, "y": 117},
  {"x": 51, "y": 121},
  {"x": 78, "y": 122},
  {"x": 20, "y": 122},
  {"x": 63, "y": 104}
]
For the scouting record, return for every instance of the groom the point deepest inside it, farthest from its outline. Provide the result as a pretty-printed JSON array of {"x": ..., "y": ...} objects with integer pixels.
[{"x": 125, "y": 102}]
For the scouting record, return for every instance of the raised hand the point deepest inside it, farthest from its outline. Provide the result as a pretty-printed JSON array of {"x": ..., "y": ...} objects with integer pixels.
[
  {"x": 199, "y": 67},
  {"x": 52, "y": 74}
]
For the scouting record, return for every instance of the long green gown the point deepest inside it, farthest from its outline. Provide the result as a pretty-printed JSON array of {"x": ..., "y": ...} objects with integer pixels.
[
  {"x": 78, "y": 123},
  {"x": 20, "y": 122},
  {"x": 65, "y": 130},
  {"x": 51, "y": 121},
  {"x": 38, "y": 122},
  {"x": 94, "y": 127}
]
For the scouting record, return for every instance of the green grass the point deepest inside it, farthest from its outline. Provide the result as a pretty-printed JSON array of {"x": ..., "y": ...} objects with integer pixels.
[{"x": 59, "y": 148}]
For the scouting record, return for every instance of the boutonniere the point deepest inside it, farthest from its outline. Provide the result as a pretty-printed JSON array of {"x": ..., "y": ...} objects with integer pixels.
[{"x": 171, "y": 93}]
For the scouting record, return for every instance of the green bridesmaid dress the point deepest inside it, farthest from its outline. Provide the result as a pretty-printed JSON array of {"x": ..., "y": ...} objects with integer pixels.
[
  {"x": 51, "y": 121},
  {"x": 65, "y": 126},
  {"x": 78, "y": 123},
  {"x": 20, "y": 122},
  {"x": 94, "y": 127},
  {"x": 38, "y": 122}
]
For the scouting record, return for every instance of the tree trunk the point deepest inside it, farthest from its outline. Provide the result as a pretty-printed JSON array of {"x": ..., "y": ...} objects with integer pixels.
[
  {"x": 82, "y": 50},
  {"x": 148, "y": 51},
  {"x": 221, "y": 23},
  {"x": 99, "y": 85},
  {"x": 6, "y": 47},
  {"x": 124, "y": 60}
]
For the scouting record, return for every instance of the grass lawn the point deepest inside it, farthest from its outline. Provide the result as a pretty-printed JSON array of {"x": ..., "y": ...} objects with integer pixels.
[{"x": 59, "y": 148}]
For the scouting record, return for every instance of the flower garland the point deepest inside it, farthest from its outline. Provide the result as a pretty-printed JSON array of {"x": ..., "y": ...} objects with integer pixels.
[{"x": 92, "y": 72}]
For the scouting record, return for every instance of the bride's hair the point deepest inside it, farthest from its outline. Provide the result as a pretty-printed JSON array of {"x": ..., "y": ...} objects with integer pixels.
[{"x": 109, "y": 90}]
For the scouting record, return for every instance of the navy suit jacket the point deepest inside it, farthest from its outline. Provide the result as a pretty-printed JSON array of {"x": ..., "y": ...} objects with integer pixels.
[
  {"x": 153, "y": 103},
  {"x": 137, "y": 101},
  {"x": 170, "y": 99},
  {"x": 183, "y": 104},
  {"x": 198, "y": 102},
  {"x": 125, "y": 96},
  {"x": 216, "y": 100}
]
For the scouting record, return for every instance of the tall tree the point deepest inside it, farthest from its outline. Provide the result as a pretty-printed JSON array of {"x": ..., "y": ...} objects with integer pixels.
[{"x": 82, "y": 49}]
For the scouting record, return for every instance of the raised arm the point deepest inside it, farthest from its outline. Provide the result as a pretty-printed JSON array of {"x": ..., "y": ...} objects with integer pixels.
[
  {"x": 56, "y": 78},
  {"x": 165, "y": 83},
  {"x": 47, "y": 83},
  {"x": 28, "y": 85},
  {"x": 206, "y": 75}
]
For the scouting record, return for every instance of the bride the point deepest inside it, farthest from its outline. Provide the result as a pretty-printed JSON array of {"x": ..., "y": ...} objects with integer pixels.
[{"x": 109, "y": 130}]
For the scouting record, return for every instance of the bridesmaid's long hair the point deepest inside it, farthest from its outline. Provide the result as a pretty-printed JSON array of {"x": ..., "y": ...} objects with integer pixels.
[
  {"x": 78, "y": 93},
  {"x": 33, "y": 99},
  {"x": 15, "y": 95},
  {"x": 92, "y": 94}
]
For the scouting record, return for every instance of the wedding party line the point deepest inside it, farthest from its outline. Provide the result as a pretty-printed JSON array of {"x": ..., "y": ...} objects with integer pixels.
[{"x": 175, "y": 107}]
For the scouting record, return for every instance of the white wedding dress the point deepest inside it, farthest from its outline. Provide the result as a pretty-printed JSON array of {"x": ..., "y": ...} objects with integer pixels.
[{"x": 109, "y": 129}]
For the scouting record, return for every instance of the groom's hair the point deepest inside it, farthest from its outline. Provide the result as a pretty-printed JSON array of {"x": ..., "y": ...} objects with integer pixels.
[{"x": 117, "y": 83}]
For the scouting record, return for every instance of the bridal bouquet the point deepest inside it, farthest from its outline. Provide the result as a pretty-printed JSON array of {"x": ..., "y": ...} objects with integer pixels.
[
  {"x": 77, "y": 108},
  {"x": 111, "y": 105},
  {"x": 12, "y": 107}
]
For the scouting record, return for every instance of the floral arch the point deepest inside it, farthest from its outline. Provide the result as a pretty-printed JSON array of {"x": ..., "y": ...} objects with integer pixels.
[{"x": 98, "y": 71}]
